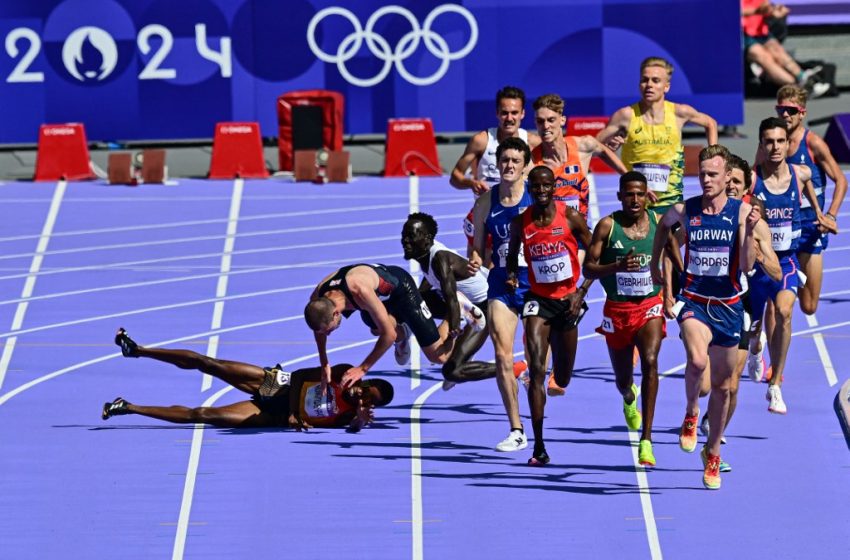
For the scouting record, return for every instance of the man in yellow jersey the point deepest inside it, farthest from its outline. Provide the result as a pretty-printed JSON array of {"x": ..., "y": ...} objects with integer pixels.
[{"x": 650, "y": 132}]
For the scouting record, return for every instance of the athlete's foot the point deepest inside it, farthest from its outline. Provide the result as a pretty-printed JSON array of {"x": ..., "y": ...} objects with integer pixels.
[
  {"x": 471, "y": 314},
  {"x": 645, "y": 456},
  {"x": 631, "y": 412},
  {"x": 515, "y": 441},
  {"x": 129, "y": 348},
  {"x": 774, "y": 397},
  {"x": 402, "y": 347},
  {"x": 521, "y": 374},
  {"x": 688, "y": 434},
  {"x": 118, "y": 407},
  {"x": 539, "y": 459},
  {"x": 705, "y": 428},
  {"x": 448, "y": 385},
  {"x": 711, "y": 472},
  {"x": 553, "y": 389},
  {"x": 755, "y": 362}
]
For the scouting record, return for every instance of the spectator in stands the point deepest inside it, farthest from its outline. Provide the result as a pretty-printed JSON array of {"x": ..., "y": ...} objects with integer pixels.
[{"x": 768, "y": 55}]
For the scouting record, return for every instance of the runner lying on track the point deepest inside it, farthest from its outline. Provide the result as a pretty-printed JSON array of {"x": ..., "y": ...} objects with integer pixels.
[{"x": 278, "y": 398}]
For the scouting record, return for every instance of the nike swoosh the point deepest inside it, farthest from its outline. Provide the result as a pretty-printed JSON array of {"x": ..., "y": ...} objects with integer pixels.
[
  {"x": 494, "y": 214},
  {"x": 533, "y": 233}
]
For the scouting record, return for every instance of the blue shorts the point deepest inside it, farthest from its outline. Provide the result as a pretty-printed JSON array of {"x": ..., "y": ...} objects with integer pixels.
[
  {"x": 812, "y": 240},
  {"x": 724, "y": 321},
  {"x": 498, "y": 290},
  {"x": 763, "y": 287}
]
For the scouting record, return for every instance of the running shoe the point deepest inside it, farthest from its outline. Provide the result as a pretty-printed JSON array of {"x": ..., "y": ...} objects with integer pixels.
[
  {"x": 553, "y": 389},
  {"x": 711, "y": 472},
  {"x": 705, "y": 429},
  {"x": 688, "y": 434},
  {"x": 521, "y": 374},
  {"x": 774, "y": 397},
  {"x": 724, "y": 466},
  {"x": 539, "y": 459},
  {"x": 402, "y": 347},
  {"x": 118, "y": 407},
  {"x": 768, "y": 374},
  {"x": 470, "y": 314},
  {"x": 515, "y": 441},
  {"x": 631, "y": 412},
  {"x": 755, "y": 362},
  {"x": 645, "y": 456},
  {"x": 129, "y": 349},
  {"x": 448, "y": 385}
]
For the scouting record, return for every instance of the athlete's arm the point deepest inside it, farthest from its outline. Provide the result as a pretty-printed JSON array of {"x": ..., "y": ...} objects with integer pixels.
[
  {"x": 748, "y": 217},
  {"x": 582, "y": 234},
  {"x": 514, "y": 247},
  {"x": 614, "y": 133},
  {"x": 590, "y": 145},
  {"x": 533, "y": 140},
  {"x": 591, "y": 267},
  {"x": 473, "y": 152},
  {"x": 662, "y": 231},
  {"x": 296, "y": 384},
  {"x": 448, "y": 285},
  {"x": 804, "y": 175},
  {"x": 479, "y": 240},
  {"x": 824, "y": 157},
  {"x": 765, "y": 255},
  {"x": 687, "y": 114},
  {"x": 363, "y": 292}
]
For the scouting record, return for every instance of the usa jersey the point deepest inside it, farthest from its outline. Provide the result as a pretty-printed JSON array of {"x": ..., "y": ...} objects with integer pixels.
[{"x": 499, "y": 226}]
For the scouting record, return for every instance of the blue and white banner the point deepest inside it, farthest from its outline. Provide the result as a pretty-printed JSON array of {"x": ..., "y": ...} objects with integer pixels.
[{"x": 166, "y": 69}]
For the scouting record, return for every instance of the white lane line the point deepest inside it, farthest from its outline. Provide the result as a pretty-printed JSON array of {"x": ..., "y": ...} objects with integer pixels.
[
  {"x": 221, "y": 286},
  {"x": 29, "y": 284},
  {"x": 820, "y": 344},
  {"x": 593, "y": 199},
  {"x": 415, "y": 354},
  {"x": 416, "y": 470},
  {"x": 195, "y": 458}
]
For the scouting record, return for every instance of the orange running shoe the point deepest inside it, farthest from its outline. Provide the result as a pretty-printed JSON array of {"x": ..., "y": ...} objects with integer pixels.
[
  {"x": 553, "y": 389},
  {"x": 768, "y": 375},
  {"x": 520, "y": 367},
  {"x": 688, "y": 434},
  {"x": 711, "y": 474}
]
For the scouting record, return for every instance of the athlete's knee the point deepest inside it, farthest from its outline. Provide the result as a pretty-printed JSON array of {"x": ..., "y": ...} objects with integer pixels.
[
  {"x": 649, "y": 363},
  {"x": 808, "y": 305},
  {"x": 698, "y": 363},
  {"x": 448, "y": 370}
]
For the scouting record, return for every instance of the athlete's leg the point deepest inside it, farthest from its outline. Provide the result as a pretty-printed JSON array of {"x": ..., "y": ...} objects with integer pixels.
[
  {"x": 812, "y": 267},
  {"x": 696, "y": 337},
  {"x": 537, "y": 344},
  {"x": 723, "y": 360},
  {"x": 243, "y": 414},
  {"x": 775, "y": 72},
  {"x": 781, "y": 339},
  {"x": 649, "y": 345},
  {"x": 458, "y": 368},
  {"x": 735, "y": 383},
  {"x": 502, "y": 324},
  {"x": 563, "y": 347}
]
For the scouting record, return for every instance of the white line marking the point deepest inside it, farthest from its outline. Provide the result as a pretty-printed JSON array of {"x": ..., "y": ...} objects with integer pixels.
[
  {"x": 35, "y": 266},
  {"x": 221, "y": 286},
  {"x": 416, "y": 470},
  {"x": 593, "y": 198},
  {"x": 820, "y": 344},
  {"x": 415, "y": 351}
]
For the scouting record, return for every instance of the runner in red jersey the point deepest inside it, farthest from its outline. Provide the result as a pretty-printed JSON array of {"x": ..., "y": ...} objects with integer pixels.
[{"x": 549, "y": 233}]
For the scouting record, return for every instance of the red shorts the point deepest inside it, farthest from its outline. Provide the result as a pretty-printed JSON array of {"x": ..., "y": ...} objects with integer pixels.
[
  {"x": 621, "y": 320},
  {"x": 469, "y": 230}
]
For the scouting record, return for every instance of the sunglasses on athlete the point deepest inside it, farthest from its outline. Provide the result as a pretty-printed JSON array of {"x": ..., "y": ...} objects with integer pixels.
[{"x": 790, "y": 109}]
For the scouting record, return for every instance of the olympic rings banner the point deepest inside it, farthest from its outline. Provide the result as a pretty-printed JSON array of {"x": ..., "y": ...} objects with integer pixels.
[{"x": 166, "y": 69}]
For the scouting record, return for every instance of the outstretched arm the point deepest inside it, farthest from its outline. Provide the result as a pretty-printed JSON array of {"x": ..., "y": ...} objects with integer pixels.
[
  {"x": 686, "y": 114},
  {"x": 833, "y": 171},
  {"x": 614, "y": 133},
  {"x": 589, "y": 144}
]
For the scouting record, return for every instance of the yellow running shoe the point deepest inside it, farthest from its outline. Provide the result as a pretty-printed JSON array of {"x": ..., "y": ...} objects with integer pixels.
[
  {"x": 645, "y": 456},
  {"x": 688, "y": 435},
  {"x": 631, "y": 412},
  {"x": 711, "y": 474}
]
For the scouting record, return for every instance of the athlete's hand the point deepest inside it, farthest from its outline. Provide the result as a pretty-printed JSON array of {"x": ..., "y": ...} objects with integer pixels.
[
  {"x": 575, "y": 299},
  {"x": 669, "y": 303},
  {"x": 479, "y": 187},
  {"x": 629, "y": 263},
  {"x": 753, "y": 217},
  {"x": 352, "y": 376},
  {"x": 473, "y": 267},
  {"x": 827, "y": 224},
  {"x": 326, "y": 379},
  {"x": 650, "y": 194},
  {"x": 297, "y": 424},
  {"x": 512, "y": 283},
  {"x": 616, "y": 141}
]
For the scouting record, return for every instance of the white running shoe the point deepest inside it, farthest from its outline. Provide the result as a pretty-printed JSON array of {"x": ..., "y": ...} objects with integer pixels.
[
  {"x": 802, "y": 277},
  {"x": 470, "y": 314},
  {"x": 774, "y": 397},
  {"x": 819, "y": 89},
  {"x": 755, "y": 362},
  {"x": 402, "y": 346},
  {"x": 705, "y": 428},
  {"x": 515, "y": 441}
]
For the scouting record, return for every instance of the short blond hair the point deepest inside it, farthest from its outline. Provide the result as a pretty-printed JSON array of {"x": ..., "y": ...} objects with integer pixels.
[
  {"x": 714, "y": 151},
  {"x": 551, "y": 101},
  {"x": 793, "y": 93},
  {"x": 659, "y": 62}
]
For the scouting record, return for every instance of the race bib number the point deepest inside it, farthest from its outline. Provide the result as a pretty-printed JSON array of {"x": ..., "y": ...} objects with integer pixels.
[
  {"x": 607, "y": 325},
  {"x": 573, "y": 202},
  {"x": 654, "y": 311},
  {"x": 426, "y": 312},
  {"x": 709, "y": 261},
  {"x": 555, "y": 268},
  {"x": 468, "y": 227},
  {"x": 657, "y": 175},
  {"x": 317, "y": 405},
  {"x": 781, "y": 235},
  {"x": 503, "y": 255},
  {"x": 634, "y": 283},
  {"x": 531, "y": 309}
]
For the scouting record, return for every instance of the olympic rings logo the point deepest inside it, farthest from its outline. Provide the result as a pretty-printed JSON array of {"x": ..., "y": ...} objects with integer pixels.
[{"x": 381, "y": 49}]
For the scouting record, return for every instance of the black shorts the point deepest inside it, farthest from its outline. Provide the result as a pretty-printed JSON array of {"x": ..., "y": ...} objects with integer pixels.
[
  {"x": 273, "y": 396},
  {"x": 407, "y": 306},
  {"x": 744, "y": 343},
  {"x": 555, "y": 312}
]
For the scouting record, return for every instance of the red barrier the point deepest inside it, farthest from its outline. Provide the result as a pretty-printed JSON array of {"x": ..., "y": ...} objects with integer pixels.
[
  {"x": 411, "y": 149},
  {"x": 589, "y": 126},
  {"x": 63, "y": 153},
  {"x": 238, "y": 152},
  {"x": 332, "y": 104}
]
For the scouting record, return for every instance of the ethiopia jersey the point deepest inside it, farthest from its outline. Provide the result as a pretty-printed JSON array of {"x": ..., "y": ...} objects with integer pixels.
[
  {"x": 711, "y": 251},
  {"x": 626, "y": 285},
  {"x": 552, "y": 255},
  {"x": 571, "y": 185},
  {"x": 322, "y": 410},
  {"x": 782, "y": 213},
  {"x": 804, "y": 156},
  {"x": 656, "y": 151}
]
